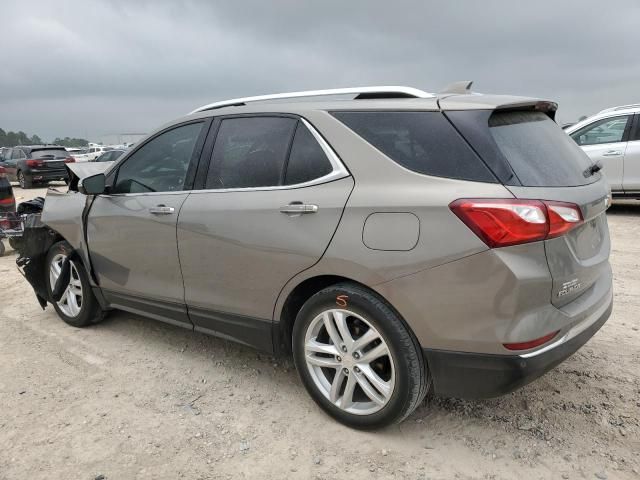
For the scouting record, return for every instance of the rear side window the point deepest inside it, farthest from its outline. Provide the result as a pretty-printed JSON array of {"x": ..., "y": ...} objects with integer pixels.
[
  {"x": 424, "y": 142},
  {"x": 49, "y": 153},
  {"x": 540, "y": 153},
  {"x": 307, "y": 160},
  {"x": 250, "y": 152}
]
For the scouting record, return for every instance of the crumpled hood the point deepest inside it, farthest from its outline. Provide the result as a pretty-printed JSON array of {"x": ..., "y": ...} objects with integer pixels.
[{"x": 80, "y": 170}]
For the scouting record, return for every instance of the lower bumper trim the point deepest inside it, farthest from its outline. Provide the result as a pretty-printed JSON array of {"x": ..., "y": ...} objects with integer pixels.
[{"x": 478, "y": 375}]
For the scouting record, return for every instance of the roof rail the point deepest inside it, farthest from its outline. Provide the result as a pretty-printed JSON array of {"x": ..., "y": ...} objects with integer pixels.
[
  {"x": 359, "y": 92},
  {"x": 620, "y": 107}
]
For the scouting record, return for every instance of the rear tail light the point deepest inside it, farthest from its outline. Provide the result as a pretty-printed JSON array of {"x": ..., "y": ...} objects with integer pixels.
[
  {"x": 531, "y": 343},
  {"x": 3, "y": 172},
  {"x": 34, "y": 163},
  {"x": 504, "y": 222},
  {"x": 7, "y": 202},
  {"x": 69, "y": 160}
]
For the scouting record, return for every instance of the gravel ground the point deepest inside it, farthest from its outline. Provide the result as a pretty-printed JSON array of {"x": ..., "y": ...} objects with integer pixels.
[{"x": 136, "y": 399}]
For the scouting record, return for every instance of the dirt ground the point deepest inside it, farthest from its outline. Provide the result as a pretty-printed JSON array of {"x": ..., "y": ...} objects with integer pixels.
[{"x": 132, "y": 398}]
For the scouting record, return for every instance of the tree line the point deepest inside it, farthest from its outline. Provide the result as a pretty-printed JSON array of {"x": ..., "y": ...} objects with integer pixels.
[{"x": 11, "y": 139}]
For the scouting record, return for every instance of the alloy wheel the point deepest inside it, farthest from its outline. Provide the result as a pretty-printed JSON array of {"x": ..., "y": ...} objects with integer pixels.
[
  {"x": 71, "y": 301},
  {"x": 349, "y": 361}
]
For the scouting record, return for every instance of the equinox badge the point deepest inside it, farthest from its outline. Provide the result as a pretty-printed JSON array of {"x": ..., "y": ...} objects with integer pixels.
[{"x": 569, "y": 287}]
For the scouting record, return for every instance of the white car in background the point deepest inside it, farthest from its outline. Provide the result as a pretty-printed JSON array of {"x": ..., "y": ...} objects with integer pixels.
[
  {"x": 612, "y": 138},
  {"x": 95, "y": 152},
  {"x": 88, "y": 154},
  {"x": 79, "y": 154}
]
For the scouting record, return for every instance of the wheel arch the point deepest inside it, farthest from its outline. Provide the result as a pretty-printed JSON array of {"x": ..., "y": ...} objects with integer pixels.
[
  {"x": 294, "y": 301},
  {"x": 300, "y": 293}
]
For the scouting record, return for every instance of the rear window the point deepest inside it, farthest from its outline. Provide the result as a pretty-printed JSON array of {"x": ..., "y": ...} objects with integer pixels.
[
  {"x": 539, "y": 152},
  {"x": 50, "y": 153},
  {"x": 424, "y": 142}
]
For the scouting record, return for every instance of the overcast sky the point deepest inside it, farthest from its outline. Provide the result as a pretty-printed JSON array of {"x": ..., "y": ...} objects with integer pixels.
[{"x": 94, "y": 68}]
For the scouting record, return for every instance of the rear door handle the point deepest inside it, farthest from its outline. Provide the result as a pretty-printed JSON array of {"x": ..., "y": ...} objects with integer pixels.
[
  {"x": 298, "y": 208},
  {"x": 612, "y": 153},
  {"x": 162, "y": 210}
]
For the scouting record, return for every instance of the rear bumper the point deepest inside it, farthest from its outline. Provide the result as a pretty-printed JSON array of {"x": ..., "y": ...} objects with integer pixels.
[
  {"x": 44, "y": 175},
  {"x": 478, "y": 375}
]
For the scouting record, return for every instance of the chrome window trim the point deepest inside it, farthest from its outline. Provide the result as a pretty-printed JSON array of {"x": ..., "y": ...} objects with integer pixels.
[{"x": 338, "y": 171}]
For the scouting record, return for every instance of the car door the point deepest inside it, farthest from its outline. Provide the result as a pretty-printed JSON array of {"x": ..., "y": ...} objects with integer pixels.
[
  {"x": 273, "y": 197},
  {"x": 605, "y": 140},
  {"x": 631, "y": 177},
  {"x": 131, "y": 230}
]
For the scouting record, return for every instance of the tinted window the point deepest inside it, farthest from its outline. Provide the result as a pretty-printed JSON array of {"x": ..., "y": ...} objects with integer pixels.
[
  {"x": 250, "y": 152},
  {"x": 539, "y": 152},
  {"x": 424, "y": 142},
  {"x": 307, "y": 160},
  {"x": 50, "y": 153},
  {"x": 608, "y": 130},
  {"x": 636, "y": 134},
  {"x": 17, "y": 154},
  {"x": 161, "y": 164}
]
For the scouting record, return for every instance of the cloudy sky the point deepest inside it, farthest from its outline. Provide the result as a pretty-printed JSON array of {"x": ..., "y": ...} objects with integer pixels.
[{"x": 95, "y": 68}]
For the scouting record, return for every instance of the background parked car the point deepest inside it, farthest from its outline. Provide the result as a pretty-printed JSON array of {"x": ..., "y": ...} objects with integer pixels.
[
  {"x": 33, "y": 164},
  {"x": 109, "y": 156},
  {"x": 7, "y": 200},
  {"x": 95, "y": 152},
  {"x": 79, "y": 154},
  {"x": 612, "y": 137}
]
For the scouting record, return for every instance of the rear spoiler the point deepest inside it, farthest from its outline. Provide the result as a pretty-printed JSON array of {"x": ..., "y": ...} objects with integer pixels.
[{"x": 470, "y": 101}]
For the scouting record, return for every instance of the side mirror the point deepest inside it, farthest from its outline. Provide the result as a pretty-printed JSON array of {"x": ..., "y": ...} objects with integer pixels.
[{"x": 93, "y": 185}]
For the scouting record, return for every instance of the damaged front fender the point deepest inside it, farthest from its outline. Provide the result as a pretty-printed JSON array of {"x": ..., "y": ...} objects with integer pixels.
[{"x": 63, "y": 218}]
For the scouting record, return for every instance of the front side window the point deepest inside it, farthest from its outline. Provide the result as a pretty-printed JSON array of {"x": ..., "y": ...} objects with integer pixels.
[
  {"x": 161, "y": 164},
  {"x": 250, "y": 152},
  {"x": 608, "y": 130}
]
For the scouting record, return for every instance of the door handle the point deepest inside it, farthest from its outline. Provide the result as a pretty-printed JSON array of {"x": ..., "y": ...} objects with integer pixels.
[
  {"x": 612, "y": 153},
  {"x": 297, "y": 208},
  {"x": 162, "y": 210}
]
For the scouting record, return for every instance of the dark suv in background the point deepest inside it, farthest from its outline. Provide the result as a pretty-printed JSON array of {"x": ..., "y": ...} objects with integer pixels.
[{"x": 29, "y": 165}]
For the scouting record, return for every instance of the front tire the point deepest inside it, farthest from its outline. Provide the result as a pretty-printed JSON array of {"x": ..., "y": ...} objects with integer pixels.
[
  {"x": 78, "y": 305},
  {"x": 357, "y": 358}
]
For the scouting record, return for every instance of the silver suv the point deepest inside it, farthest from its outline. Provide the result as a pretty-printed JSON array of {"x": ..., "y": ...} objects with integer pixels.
[
  {"x": 394, "y": 242},
  {"x": 612, "y": 139}
]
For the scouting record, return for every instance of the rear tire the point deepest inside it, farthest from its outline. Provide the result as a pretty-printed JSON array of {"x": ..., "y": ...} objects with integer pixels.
[
  {"x": 24, "y": 181},
  {"x": 357, "y": 359},
  {"x": 78, "y": 305}
]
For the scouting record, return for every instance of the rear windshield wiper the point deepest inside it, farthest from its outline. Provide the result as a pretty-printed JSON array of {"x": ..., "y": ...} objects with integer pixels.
[{"x": 593, "y": 169}]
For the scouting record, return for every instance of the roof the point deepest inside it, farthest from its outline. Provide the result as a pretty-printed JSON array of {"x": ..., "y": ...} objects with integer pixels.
[{"x": 455, "y": 97}]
